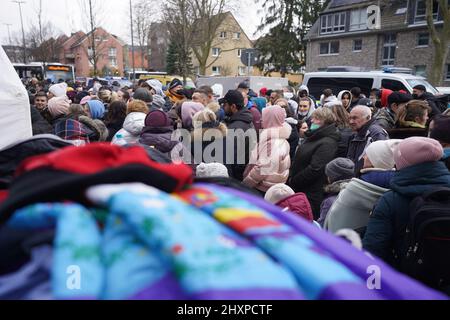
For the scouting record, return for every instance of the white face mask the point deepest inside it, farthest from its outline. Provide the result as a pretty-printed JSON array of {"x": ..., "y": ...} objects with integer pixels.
[{"x": 288, "y": 95}]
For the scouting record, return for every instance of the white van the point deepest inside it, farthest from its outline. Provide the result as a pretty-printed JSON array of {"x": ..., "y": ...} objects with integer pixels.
[{"x": 338, "y": 81}]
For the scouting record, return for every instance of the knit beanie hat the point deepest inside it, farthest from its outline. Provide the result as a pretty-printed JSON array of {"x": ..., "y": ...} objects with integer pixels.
[
  {"x": 58, "y": 106},
  {"x": 278, "y": 192},
  {"x": 340, "y": 169},
  {"x": 97, "y": 109},
  {"x": 417, "y": 150},
  {"x": 175, "y": 83},
  {"x": 58, "y": 90},
  {"x": 441, "y": 129},
  {"x": 208, "y": 170},
  {"x": 381, "y": 153},
  {"x": 157, "y": 119},
  {"x": 143, "y": 94}
]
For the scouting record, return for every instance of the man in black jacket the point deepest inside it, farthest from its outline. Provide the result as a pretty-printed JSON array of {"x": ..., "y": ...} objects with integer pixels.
[
  {"x": 420, "y": 93},
  {"x": 365, "y": 131},
  {"x": 241, "y": 134}
]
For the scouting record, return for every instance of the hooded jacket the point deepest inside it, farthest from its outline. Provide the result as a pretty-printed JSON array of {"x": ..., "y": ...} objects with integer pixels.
[
  {"x": 297, "y": 203},
  {"x": 340, "y": 97},
  {"x": 352, "y": 207},
  {"x": 132, "y": 128},
  {"x": 387, "y": 225},
  {"x": 308, "y": 170},
  {"x": 331, "y": 194},
  {"x": 270, "y": 160}
]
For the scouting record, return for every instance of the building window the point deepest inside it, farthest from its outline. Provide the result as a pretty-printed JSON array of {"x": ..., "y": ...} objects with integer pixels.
[
  {"x": 327, "y": 48},
  {"x": 421, "y": 10},
  {"x": 236, "y": 35},
  {"x": 223, "y": 35},
  {"x": 447, "y": 75},
  {"x": 239, "y": 52},
  {"x": 421, "y": 71},
  {"x": 357, "y": 45},
  {"x": 242, "y": 71},
  {"x": 358, "y": 19},
  {"x": 423, "y": 39},
  {"x": 215, "y": 52},
  {"x": 216, "y": 70},
  {"x": 112, "y": 52},
  {"x": 332, "y": 23},
  {"x": 389, "y": 47},
  {"x": 112, "y": 62}
]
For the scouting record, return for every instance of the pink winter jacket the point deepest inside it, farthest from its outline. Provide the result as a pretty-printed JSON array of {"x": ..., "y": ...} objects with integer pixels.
[{"x": 269, "y": 161}]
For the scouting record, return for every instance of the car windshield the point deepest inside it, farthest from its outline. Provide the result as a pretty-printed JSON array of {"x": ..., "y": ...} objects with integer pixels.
[{"x": 428, "y": 86}]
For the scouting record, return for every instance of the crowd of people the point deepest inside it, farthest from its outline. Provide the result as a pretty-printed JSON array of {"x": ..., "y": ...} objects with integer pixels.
[{"x": 344, "y": 161}]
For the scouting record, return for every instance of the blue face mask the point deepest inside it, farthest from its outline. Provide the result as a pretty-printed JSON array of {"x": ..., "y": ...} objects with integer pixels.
[
  {"x": 446, "y": 153},
  {"x": 314, "y": 127}
]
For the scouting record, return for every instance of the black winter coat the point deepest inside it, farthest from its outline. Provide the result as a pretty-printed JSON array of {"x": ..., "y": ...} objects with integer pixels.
[
  {"x": 360, "y": 140},
  {"x": 242, "y": 119},
  {"x": 308, "y": 169},
  {"x": 38, "y": 123}
]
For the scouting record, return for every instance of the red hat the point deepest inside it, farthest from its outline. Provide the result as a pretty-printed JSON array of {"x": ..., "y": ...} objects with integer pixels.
[{"x": 262, "y": 92}]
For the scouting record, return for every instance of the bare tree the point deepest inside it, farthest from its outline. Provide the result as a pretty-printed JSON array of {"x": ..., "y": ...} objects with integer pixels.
[
  {"x": 440, "y": 38},
  {"x": 94, "y": 11},
  {"x": 41, "y": 37},
  {"x": 143, "y": 16},
  {"x": 207, "y": 19}
]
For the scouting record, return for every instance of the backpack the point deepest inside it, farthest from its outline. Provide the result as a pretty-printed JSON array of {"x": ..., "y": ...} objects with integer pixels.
[{"x": 428, "y": 239}]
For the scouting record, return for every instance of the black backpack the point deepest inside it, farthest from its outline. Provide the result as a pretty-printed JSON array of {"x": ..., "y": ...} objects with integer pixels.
[{"x": 427, "y": 258}]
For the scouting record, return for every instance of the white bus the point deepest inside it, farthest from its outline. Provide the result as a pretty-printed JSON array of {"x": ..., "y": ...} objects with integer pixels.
[{"x": 44, "y": 71}]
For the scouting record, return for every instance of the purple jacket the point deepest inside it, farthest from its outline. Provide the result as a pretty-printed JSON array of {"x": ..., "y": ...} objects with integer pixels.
[{"x": 331, "y": 194}]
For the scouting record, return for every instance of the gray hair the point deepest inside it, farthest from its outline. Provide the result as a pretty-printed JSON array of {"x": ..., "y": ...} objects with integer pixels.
[{"x": 365, "y": 110}]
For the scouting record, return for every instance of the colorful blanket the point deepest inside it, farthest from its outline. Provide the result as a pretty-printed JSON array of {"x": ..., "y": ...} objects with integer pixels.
[{"x": 206, "y": 242}]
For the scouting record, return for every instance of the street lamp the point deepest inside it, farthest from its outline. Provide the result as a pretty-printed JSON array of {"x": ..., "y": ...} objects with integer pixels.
[
  {"x": 23, "y": 32},
  {"x": 132, "y": 42},
  {"x": 8, "y": 25}
]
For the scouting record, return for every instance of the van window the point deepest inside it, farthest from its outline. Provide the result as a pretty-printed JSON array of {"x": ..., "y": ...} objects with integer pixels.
[
  {"x": 317, "y": 85},
  {"x": 393, "y": 85}
]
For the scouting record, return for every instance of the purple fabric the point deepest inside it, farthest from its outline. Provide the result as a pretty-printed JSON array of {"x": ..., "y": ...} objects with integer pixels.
[
  {"x": 325, "y": 208},
  {"x": 394, "y": 284},
  {"x": 255, "y": 294},
  {"x": 167, "y": 288},
  {"x": 350, "y": 291}
]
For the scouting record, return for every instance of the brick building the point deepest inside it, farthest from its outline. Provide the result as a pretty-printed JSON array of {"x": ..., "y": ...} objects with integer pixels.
[
  {"x": 77, "y": 50},
  {"x": 340, "y": 37}
]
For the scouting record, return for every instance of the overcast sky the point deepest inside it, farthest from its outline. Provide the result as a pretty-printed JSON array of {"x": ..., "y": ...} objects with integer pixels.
[{"x": 67, "y": 16}]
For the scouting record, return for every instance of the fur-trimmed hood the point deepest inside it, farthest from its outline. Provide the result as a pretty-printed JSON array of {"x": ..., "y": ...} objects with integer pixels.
[
  {"x": 97, "y": 126},
  {"x": 198, "y": 134},
  {"x": 336, "y": 186}
]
